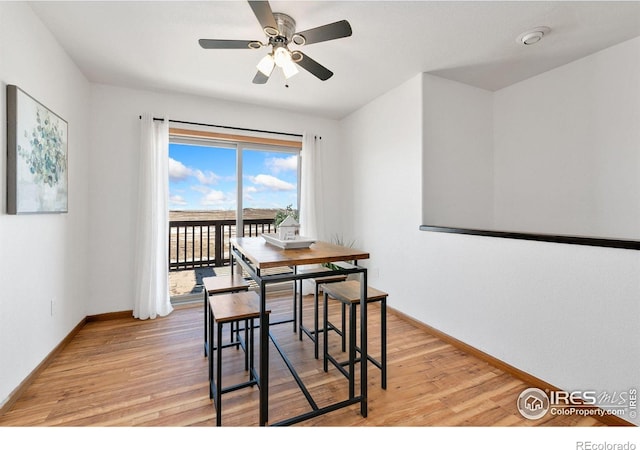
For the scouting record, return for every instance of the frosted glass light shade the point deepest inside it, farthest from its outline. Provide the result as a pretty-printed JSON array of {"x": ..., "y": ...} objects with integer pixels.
[
  {"x": 266, "y": 65},
  {"x": 281, "y": 56},
  {"x": 289, "y": 69}
]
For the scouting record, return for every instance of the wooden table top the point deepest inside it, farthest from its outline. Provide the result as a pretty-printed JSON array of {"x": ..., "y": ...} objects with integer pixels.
[{"x": 265, "y": 256}]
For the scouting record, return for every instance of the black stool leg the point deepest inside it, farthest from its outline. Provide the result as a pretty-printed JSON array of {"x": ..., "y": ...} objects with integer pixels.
[
  {"x": 383, "y": 331},
  {"x": 211, "y": 351},
  {"x": 218, "y": 394},
  {"x": 246, "y": 344},
  {"x": 300, "y": 311},
  {"x": 250, "y": 351},
  {"x": 344, "y": 337},
  {"x": 315, "y": 320},
  {"x": 352, "y": 348},
  {"x": 206, "y": 316},
  {"x": 325, "y": 346},
  {"x": 295, "y": 304}
]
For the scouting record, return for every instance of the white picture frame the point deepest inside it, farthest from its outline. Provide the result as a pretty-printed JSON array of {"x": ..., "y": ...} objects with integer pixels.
[{"x": 37, "y": 170}]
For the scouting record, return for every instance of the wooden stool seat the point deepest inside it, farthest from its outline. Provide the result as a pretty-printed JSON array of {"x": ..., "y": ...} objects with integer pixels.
[
  {"x": 348, "y": 293},
  {"x": 224, "y": 284},
  {"x": 231, "y": 308},
  {"x": 219, "y": 285},
  {"x": 317, "y": 283}
]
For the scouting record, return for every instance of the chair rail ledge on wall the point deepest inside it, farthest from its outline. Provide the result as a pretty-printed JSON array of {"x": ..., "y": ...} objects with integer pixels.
[{"x": 558, "y": 238}]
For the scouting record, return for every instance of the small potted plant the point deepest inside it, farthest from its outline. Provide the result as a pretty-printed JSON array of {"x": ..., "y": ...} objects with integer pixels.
[{"x": 339, "y": 240}]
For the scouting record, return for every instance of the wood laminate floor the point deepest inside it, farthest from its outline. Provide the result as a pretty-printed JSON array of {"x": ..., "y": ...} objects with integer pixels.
[{"x": 127, "y": 372}]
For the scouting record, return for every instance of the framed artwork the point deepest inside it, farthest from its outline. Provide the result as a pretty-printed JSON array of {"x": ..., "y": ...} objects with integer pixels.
[{"x": 37, "y": 173}]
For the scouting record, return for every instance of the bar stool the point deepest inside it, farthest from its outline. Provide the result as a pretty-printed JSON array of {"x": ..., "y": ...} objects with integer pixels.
[
  {"x": 231, "y": 308},
  {"x": 220, "y": 285},
  {"x": 348, "y": 294},
  {"x": 317, "y": 283}
]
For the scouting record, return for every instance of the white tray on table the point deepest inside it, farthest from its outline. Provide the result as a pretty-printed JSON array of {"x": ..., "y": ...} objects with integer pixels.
[{"x": 298, "y": 242}]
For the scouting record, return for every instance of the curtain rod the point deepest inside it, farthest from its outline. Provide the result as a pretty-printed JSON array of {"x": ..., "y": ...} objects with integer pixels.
[{"x": 228, "y": 127}]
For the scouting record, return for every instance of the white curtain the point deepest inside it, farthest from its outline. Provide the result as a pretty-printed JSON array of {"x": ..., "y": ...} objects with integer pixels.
[
  {"x": 311, "y": 193},
  {"x": 311, "y": 189},
  {"x": 152, "y": 222}
]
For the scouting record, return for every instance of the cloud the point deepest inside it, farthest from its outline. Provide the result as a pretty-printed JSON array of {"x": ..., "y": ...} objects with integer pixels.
[
  {"x": 177, "y": 200},
  {"x": 247, "y": 194},
  {"x": 180, "y": 172},
  {"x": 213, "y": 197},
  {"x": 277, "y": 165},
  {"x": 202, "y": 189},
  {"x": 206, "y": 177},
  {"x": 272, "y": 183}
]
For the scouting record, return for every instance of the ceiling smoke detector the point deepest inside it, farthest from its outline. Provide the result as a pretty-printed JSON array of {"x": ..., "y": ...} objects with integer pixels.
[{"x": 533, "y": 36}]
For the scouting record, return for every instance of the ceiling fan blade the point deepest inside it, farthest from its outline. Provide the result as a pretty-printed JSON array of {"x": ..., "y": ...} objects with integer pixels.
[
  {"x": 328, "y": 32},
  {"x": 263, "y": 13},
  {"x": 313, "y": 67},
  {"x": 260, "y": 78},
  {"x": 226, "y": 43}
]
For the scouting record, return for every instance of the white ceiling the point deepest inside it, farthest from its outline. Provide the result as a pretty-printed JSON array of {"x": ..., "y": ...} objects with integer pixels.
[{"x": 154, "y": 45}]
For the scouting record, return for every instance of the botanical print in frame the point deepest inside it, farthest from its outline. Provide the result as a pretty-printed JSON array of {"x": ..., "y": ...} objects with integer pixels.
[{"x": 36, "y": 156}]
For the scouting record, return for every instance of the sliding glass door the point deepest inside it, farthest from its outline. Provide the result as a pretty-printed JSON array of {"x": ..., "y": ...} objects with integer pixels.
[{"x": 218, "y": 190}]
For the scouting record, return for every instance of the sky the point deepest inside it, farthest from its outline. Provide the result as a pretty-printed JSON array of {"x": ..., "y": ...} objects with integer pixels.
[{"x": 204, "y": 178}]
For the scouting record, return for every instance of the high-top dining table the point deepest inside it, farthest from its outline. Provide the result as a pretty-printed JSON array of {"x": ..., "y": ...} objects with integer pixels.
[{"x": 255, "y": 255}]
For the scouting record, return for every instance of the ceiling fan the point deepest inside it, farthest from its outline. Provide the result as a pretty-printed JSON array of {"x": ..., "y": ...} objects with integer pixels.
[{"x": 280, "y": 30}]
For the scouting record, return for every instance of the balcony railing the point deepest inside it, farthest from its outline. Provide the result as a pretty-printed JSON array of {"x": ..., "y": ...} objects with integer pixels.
[{"x": 205, "y": 243}]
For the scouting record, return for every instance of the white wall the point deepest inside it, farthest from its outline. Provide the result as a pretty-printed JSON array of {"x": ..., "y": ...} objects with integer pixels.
[
  {"x": 567, "y": 158},
  {"x": 42, "y": 257},
  {"x": 556, "y": 154},
  {"x": 384, "y": 142},
  {"x": 114, "y": 167},
  {"x": 566, "y": 314},
  {"x": 457, "y": 181}
]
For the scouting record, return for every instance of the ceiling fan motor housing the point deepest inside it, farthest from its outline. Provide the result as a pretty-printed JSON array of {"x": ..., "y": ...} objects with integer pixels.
[{"x": 286, "y": 27}]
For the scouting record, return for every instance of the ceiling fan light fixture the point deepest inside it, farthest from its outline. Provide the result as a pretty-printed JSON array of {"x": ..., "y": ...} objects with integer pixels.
[
  {"x": 266, "y": 65},
  {"x": 281, "y": 56},
  {"x": 280, "y": 30},
  {"x": 289, "y": 69}
]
